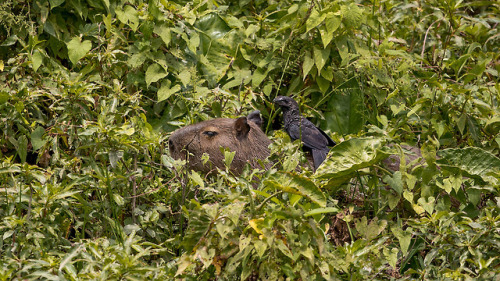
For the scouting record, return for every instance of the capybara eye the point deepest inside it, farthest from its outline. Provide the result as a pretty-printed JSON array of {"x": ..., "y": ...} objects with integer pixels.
[{"x": 210, "y": 133}]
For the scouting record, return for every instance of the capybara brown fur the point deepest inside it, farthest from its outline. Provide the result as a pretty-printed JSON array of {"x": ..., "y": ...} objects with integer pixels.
[{"x": 241, "y": 135}]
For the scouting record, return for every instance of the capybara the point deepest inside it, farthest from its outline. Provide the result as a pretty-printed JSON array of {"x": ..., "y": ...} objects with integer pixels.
[{"x": 241, "y": 135}]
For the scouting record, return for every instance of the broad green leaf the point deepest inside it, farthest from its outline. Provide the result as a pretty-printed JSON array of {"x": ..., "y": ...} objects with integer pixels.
[
  {"x": 37, "y": 60},
  {"x": 165, "y": 91},
  {"x": 11, "y": 40},
  {"x": 372, "y": 229},
  {"x": 307, "y": 65},
  {"x": 223, "y": 228},
  {"x": 391, "y": 256},
  {"x": 196, "y": 178},
  {"x": 154, "y": 73},
  {"x": 473, "y": 161},
  {"x": 300, "y": 185},
  {"x": 352, "y": 15},
  {"x": 260, "y": 247},
  {"x": 492, "y": 125},
  {"x": 228, "y": 157},
  {"x": 427, "y": 204},
  {"x": 350, "y": 156},
  {"x": 320, "y": 57},
  {"x": 164, "y": 32},
  {"x": 258, "y": 76},
  {"x": 454, "y": 182},
  {"x": 395, "y": 182},
  {"x": 78, "y": 49},
  {"x": 346, "y": 109},
  {"x": 332, "y": 23},
  {"x": 22, "y": 148},
  {"x": 233, "y": 211},
  {"x": 326, "y": 37},
  {"x": 55, "y": 3},
  {"x": 404, "y": 238},
  {"x": 183, "y": 263},
  {"x": 118, "y": 199},
  {"x": 185, "y": 77},
  {"x": 323, "y": 84},
  {"x": 4, "y": 97},
  {"x": 37, "y": 140},
  {"x": 315, "y": 19},
  {"x": 129, "y": 16}
]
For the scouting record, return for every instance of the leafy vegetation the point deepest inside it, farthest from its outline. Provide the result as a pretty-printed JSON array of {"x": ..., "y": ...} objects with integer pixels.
[{"x": 90, "y": 90}]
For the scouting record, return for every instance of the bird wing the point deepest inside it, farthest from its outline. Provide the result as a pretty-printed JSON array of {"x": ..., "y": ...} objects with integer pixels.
[{"x": 311, "y": 136}]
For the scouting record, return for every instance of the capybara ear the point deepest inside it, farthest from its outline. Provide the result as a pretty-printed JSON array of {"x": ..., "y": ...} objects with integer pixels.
[
  {"x": 242, "y": 128},
  {"x": 255, "y": 117}
]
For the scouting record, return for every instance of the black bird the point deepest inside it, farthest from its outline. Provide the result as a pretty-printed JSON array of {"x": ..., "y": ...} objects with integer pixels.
[{"x": 298, "y": 127}]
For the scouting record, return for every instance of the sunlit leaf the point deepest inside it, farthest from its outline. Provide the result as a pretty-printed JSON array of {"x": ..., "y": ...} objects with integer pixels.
[
  {"x": 78, "y": 49},
  {"x": 350, "y": 156},
  {"x": 473, "y": 161}
]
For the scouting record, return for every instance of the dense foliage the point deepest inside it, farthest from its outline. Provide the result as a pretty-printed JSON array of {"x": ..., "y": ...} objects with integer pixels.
[{"x": 90, "y": 90}]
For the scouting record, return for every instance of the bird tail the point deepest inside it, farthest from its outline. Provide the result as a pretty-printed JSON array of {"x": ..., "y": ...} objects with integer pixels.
[{"x": 319, "y": 156}]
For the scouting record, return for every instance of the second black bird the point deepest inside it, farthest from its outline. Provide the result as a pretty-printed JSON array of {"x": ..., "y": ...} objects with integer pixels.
[{"x": 298, "y": 127}]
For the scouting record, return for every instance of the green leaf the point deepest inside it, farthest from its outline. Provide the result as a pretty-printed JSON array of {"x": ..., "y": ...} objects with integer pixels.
[
  {"x": 37, "y": 60},
  {"x": 233, "y": 211},
  {"x": 352, "y": 15},
  {"x": 454, "y": 182},
  {"x": 228, "y": 157},
  {"x": 404, "y": 238},
  {"x": 118, "y": 199},
  {"x": 319, "y": 211},
  {"x": 320, "y": 57},
  {"x": 129, "y": 16},
  {"x": 427, "y": 204},
  {"x": 22, "y": 148},
  {"x": 164, "y": 32},
  {"x": 260, "y": 247},
  {"x": 370, "y": 230},
  {"x": 473, "y": 161},
  {"x": 196, "y": 178},
  {"x": 395, "y": 182},
  {"x": 346, "y": 109},
  {"x": 300, "y": 185},
  {"x": 55, "y": 3},
  {"x": 314, "y": 20},
  {"x": 37, "y": 140},
  {"x": 154, "y": 73},
  {"x": 350, "y": 156},
  {"x": 391, "y": 256},
  {"x": 327, "y": 32},
  {"x": 323, "y": 84},
  {"x": 307, "y": 65},
  {"x": 78, "y": 49},
  {"x": 332, "y": 23},
  {"x": 165, "y": 91},
  {"x": 185, "y": 77}
]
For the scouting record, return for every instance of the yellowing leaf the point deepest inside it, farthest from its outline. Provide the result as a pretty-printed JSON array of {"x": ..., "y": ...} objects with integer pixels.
[{"x": 257, "y": 225}]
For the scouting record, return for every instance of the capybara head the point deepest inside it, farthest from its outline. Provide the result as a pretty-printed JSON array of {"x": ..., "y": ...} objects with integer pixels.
[{"x": 241, "y": 135}]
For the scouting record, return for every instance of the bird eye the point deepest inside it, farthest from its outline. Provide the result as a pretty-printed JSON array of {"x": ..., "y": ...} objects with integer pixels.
[{"x": 210, "y": 133}]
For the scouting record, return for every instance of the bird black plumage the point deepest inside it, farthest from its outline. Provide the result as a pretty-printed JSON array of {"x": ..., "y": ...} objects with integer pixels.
[{"x": 298, "y": 127}]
